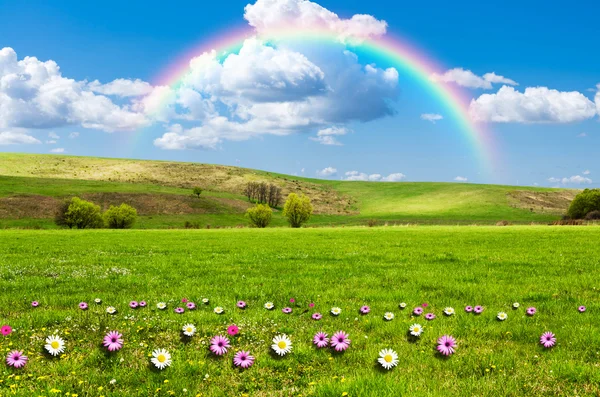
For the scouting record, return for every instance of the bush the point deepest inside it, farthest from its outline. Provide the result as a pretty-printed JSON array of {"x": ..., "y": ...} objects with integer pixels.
[
  {"x": 593, "y": 216},
  {"x": 584, "y": 203},
  {"x": 260, "y": 216},
  {"x": 372, "y": 222},
  {"x": 121, "y": 217},
  {"x": 191, "y": 225},
  {"x": 197, "y": 191},
  {"x": 79, "y": 214},
  {"x": 297, "y": 209}
]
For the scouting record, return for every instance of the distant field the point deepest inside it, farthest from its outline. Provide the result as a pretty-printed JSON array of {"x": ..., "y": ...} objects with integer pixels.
[
  {"x": 555, "y": 269},
  {"x": 32, "y": 186}
]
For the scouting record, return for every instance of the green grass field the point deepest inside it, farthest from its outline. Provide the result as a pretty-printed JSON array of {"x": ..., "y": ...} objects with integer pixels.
[{"x": 555, "y": 269}]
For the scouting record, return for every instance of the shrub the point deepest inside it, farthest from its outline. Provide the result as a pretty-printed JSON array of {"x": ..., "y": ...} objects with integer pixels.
[
  {"x": 593, "y": 216},
  {"x": 121, "y": 217},
  {"x": 260, "y": 216},
  {"x": 191, "y": 225},
  {"x": 372, "y": 222},
  {"x": 297, "y": 209},
  {"x": 197, "y": 191},
  {"x": 79, "y": 214},
  {"x": 584, "y": 203}
]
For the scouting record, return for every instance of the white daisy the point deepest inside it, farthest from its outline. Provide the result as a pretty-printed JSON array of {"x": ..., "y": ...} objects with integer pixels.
[
  {"x": 111, "y": 310},
  {"x": 516, "y": 305},
  {"x": 389, "y": 316},
  {"x": 189, "y": 330},
  {"x": 388, "y": 358},
  {"x": 98, "y": 301},
  {"x": 161, "y": 305},
  {"x": 402, "y": 305},
  {"x": 502, "y": 316},
  {"x": 161, "y": 358},
  {"x": 336, "y": 311},
  {"x": 219, "y": 310},
  {"x": 282, "y": 345},
  {"x": 205, "y": 301},
  {"x": 415, "y": 330},
  {"x": 269, "y": 305},
  {"x": 449, "y": 311},
  {"x": 55, "y": 345}
]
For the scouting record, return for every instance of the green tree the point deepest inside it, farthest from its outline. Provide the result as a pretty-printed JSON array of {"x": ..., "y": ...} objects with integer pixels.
[
  {"x": 260, "y": 216},
  {"x": 584, "y": 203},
  {"x": 197, "y": 191},
  {"x": 79, "y": 214},
  {"x": 297, "y": 209},
  {"x": 121, "y": 217}
]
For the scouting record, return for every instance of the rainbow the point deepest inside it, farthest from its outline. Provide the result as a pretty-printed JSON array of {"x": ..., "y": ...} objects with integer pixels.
[{"x": 413, "y": 62}]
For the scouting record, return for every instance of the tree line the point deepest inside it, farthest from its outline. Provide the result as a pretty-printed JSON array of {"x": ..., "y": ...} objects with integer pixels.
[{"x": 263, "y": 193}]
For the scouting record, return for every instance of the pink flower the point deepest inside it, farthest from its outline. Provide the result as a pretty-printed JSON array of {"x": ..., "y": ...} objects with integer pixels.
[
  {"x": 581, "y": 309},
  {"x": 417, "y": 311},
  {"x": 219, "y": 345},
  {"x": 190, "y": 305},
  {"x": 365, "y": 309},
  {"x": 113, "y": 341},
  {"x": 287, "y": 310},
  {"x": 179, "y": 310},
  {"x": 425, "y": 304},
  {"x": 5, "y": 330},
  {"x": 184, "y": 300},
  {"x": 317, "y": 316},
  {"x": 16, "y": 359},
  {"x": 143, "y": 304},
  {"x": 429, "y": 316},
  {"x": 292, "y": 300},
  {"x": 241, "y": 304},
  {"x": 446, "y": 345},
  {"x": 469, "y": 309},
  {"x": 233, "y": 330},
  {"x": 83, "y": 306},
  {"x": 133, "y": 304},
  {"x": 243, "y": 359},
  {"x": 548, "y": 339},
  {"x": 35, "y": 303},
  {"x": 478, "y": 309},
  {"x": 311, "y": 305},
  {"x": 340, "y": 341},
  {"x": 531, "y": 311},
  {"x": 321, "y": 340}
]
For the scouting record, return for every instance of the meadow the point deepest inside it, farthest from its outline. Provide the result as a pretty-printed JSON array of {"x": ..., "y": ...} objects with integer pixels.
[{"x": 554, "y": 269}]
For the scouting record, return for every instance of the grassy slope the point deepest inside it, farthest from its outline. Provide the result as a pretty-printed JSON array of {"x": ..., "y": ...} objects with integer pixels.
[
  {"x": 553, "y": 269},
  {"x": 393, "y": 202}
]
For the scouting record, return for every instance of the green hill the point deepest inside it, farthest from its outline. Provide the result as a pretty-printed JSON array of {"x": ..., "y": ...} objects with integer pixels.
[{"x": 32, "y": 186}]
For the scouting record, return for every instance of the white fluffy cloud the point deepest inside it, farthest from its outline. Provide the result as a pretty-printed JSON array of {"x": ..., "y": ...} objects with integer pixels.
[
  {"x": 34, "y": 94},
  {"x": 121, "y": 87},
  {"x": 361, "y": 176},
  {"x": 598, "y": 99},
  {"x": 271, "y": 15},
  {"x": 57, "y": 150},
  {"x": 327, "y": 136},
  {"x": 328, "y": 171},
  {"x": 433, "y": 117},
  {"x": 53, "y": 135},
  {"x": 16, "y": 138},
  {"x": 74, "y": 135},
  {"x": 535, "y": 105},
  {"x": 586, "y": 172},
  {"x": 466, "y": 78},
  {"x": 461, "y": 179},
  {"x": 573, "y": 180}
]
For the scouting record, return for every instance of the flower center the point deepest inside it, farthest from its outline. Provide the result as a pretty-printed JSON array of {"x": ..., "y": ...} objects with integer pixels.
[
  {"x": 161, "y": 358},
  {"x": 282, "y": 345},
  {"x": 388, "y": 358},
  {"x": 55, "y": 345}
]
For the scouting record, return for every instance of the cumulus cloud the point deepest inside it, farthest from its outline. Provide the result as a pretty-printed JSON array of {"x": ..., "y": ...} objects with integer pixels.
[
  {"x": 74, "y": 135},
  {"x": 328, "y": 171},
  {"x": 57, "y": 150},
  {"x": 327, "y": 136},
  {"x": 573, "y": 180},
  {"x": 433, "y": 117},
  {"x": 534, "y": 105},
  {"x": 598, "y": 99},
  {"x": 466, "y": 78},
  {"x": 53, "y": 135},
  {"x": 34, "y": 94},
  {"x": 121, "y": 87},
  {"x": 461, "y": 179},
  {"x": 271, "y": 15},
  {"x": 361, "y": 176},
  {"x": 16, "y": 138},
  {"x": 586, "y": 172}
]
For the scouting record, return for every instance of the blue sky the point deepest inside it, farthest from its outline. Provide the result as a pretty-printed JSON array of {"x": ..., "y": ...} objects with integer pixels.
[{"x": 547, "y": 127}]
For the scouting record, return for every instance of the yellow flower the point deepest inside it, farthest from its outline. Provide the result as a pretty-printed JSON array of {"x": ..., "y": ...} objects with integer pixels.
[
  {"x": 166, "y": 381},
  {"x": 100, "y": 388},
  {"x": 344, "y": 394}
]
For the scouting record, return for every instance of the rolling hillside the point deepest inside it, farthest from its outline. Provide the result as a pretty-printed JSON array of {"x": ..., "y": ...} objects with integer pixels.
[{"x": 31, "y": 187}]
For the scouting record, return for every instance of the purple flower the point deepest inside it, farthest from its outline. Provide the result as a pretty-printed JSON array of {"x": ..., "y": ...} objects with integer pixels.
[
  {"x": 83, "y": 306},
  {"x": 179, "y": 310},
  {"x": 531, "y": 311},
  {"x": 287, "y": 310},
  {"x": 243, "y": 359},
  {"x": 317, "y": 316},
  {"x": 241, "y": 304},
  {"x": 548, "y": 339},
  {"x": 478, "y": 309},
  {"x": 219, "y": 345},
  {"x": 292, "y": 300},
  {"x": 581, "y": 309},
  {"x": 417, "y": 311},
  {"x": 133, "y": 304},
  {"x": 321, "y": 340},
  {"x": 143, "y": 304},
  {"x": 233, "y": 330},
  {"x": 190, "y": 305},
  {"x": 429, "y": 316},
  {"x": 446, "y": 345},
  {"x": 365, "y": 310},
  {"x": 340, "y": 341},
  {"x": 113, "y": 341},
  {"x": 311, "y": 305},
  {"x": 35, "y": 303},
  {"x": 16, "y": 359},
  {"x": 425, "y": 304},
  {"x": 469, "y": 309},
  {"x": 184, "y": 300},
  {"x": 6, "y": 330}
]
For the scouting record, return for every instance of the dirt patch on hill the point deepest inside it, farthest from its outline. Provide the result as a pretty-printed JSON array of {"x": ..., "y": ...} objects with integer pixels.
[
  {"x": 552, "y": 202},
  {"x": 28, "y": 207}
]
